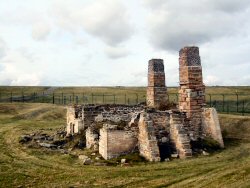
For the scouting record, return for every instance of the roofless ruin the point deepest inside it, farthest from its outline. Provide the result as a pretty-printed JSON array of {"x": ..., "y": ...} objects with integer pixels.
[{"x": 155, "y": 130}]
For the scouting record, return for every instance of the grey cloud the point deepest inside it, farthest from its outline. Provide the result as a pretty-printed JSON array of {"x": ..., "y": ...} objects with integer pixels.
[
  {"x": 174, "y": 25},
  {"x": 229, "y": 6},
  {"x": 107, "y": 19}
]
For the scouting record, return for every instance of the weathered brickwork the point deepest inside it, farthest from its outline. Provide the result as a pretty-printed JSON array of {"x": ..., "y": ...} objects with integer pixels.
[
  {"x": 192, "y": 89},
  {"x": 156, "y": 90}
]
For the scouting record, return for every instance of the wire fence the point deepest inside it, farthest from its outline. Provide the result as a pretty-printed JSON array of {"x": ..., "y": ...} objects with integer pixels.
[{"x": 224, "y": 103}]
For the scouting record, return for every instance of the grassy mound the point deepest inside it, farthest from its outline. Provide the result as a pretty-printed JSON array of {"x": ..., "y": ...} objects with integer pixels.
[
  {"x": 235, "y": 127},
  {"x": 33, "y": 111}
]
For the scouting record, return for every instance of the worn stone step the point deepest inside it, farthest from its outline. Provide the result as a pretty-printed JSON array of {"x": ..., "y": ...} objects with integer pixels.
[
  {"x": 187, "y": 151},
  {"x": 181, "y": 131},
  {"x": 186, "y": 146},
  {"x": 175, "y": 116},
  {"x": 183, "y": 140},
  {"x": 176, "y": 119}
]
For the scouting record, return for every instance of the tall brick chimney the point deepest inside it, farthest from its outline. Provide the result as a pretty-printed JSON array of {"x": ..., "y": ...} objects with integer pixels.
[
  {"x": 156, "y": 90},
  {"x": 192, "y": 89}
]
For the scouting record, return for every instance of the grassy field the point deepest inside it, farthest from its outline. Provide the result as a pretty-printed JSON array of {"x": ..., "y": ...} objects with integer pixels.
[
  {"x": 29, "y": 167},
  {"x": 223, "y": 98},
  {"x": 119, "y": 89}
]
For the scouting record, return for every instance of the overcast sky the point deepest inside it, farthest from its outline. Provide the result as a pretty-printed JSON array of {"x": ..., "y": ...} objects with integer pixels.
[{"x": 109, "y": 42}]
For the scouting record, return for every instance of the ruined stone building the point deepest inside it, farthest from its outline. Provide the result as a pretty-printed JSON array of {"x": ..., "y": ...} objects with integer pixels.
[{"x": 152, "y": 130}]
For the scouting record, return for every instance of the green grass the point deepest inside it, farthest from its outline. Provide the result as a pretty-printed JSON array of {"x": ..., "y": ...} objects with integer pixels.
[{"x": 29, "y": 167}]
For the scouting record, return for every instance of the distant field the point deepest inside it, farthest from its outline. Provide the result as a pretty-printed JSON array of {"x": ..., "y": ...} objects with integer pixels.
[
  {"x": 118, "y": 89},
  {"x": 224, "y": 98},
  {"x": 27, "y": 167}
]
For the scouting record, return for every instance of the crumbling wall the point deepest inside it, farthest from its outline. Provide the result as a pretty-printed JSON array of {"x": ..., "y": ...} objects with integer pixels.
[
  {"x": 156, "y": 90},
  {"x": 147, "y": 141},
  {"x": 70, "y": 115},
  {"x": 82, "y": 116},
  {"x": 74, "y": 120},
  {"x": 114, "y": 143},
  {"x": 211, "y": 125},
  {"x": 89, "y": 113}
]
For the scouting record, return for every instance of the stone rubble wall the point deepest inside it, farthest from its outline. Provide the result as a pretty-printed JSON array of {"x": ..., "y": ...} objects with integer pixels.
[
  {"x": 161, "y": 123},
  {"x": 211, "y": 125},
  {"x": 147, "y": 141},
  {"x": 83, "y": 116},
  {"x": 114, "y": 143},
  {"x": 118, "y": 114}
]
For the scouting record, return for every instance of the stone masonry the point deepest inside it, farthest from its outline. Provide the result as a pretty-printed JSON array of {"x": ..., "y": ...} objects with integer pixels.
[
  {"x": 211, "y": 125},
  {"x": 156, "y": 90},
  {"x": 114, "y": 143},
  {"x": 147, "y": 140},
  {"x": 192, "y": 89}
]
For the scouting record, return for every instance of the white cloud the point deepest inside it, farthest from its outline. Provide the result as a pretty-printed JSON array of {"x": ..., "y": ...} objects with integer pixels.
[
  {"x": 107, "y": 19},
  {"x": 2, "y": 48},
  {"x": 26, "y": 80},
  {"x": 211, "y": 80},
  {"x": 40, "y": 30},
  {"x": 116, "y": 52},
  {"x": 18, "y": 68},
  {"x": 176, "y": 24}
]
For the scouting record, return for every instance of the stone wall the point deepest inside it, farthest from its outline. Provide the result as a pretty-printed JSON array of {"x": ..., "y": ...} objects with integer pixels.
[
  {"x": 91, "y": 139},
  {"x": 74, "y": 120},
  {"x": 89, "y": 113},
  {"x": 161, "y": 123},
  {"x": 156, "y": 90},
  {"x": 192, "y": 89},
  {"x": 179, "y": 137},
  {"x": 70, "y": 118},
  {"x": 211, "y": 125},
  {"x": 118, "y": 113},
  {"x": 148, "y": 146},
  {"x": 82, "y": 116},
  {"x": 114, "y": 143}
]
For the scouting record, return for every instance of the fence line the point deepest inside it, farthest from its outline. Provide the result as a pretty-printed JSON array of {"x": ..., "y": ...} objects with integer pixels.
[{"x": 225, "y": 103}]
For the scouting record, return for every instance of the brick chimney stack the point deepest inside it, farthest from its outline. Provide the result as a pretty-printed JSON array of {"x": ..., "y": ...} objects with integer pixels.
[
  {"x": 156, "y": 90},
  {"x": 192, "y": 89}
]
